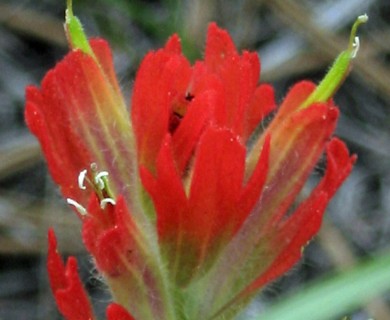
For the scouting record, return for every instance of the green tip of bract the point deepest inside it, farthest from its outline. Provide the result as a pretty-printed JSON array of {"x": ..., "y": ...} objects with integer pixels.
[
  {"x": 339, "y": 69},
  {"x": 74, "y": 31}
]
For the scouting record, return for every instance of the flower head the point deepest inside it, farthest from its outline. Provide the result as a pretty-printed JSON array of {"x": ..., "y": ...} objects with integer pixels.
[{"x": 185, "y": 206}]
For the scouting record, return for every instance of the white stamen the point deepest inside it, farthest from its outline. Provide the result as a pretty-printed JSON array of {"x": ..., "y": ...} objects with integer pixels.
[
  {"x": 99, "y": 179},
  {"x": 106, "y": 201},
  {"x": 81, "y": 179},
  {"x": 356, "y": 46},
  {"x": 80, "y": 209}
]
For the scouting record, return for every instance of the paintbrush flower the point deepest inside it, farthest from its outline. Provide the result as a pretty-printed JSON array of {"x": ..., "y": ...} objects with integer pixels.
[{"x": 185, "y": 202}]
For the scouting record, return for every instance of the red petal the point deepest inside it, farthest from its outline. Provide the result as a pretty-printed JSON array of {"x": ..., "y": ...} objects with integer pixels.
[
  {"x": 339, "y": 165},
  {"x": 112, "y": 255},
  {"x": 252, "y": 190},
  {"x": 245, "y": 105},
  {"x": 172, "y": 209},
  {"x": 71, "y": 298},
  {"x": 109, "y": 236},
  {"x": 171, "y": 204},
  {"x": 295, "y": 97},
  {"x": 260, "y": 105},
  {"x": 219, "y": 44},
  {"x": 216, "y": 186},
  {"x": 204, "y": 82},
  {"x": 297, "y": 94},
  {"x": 191, "y": 127},
  {"x": 240, "y": 76},
  {"x": 117, "y": 312},
  {"x": 55, "y": 265},
  {"x": 161, "y": 78},
  {"x": 73, "y": 301},
  {"x": 103, "y": 54},
  {"x": 65, "y": 152},
  {"x": 95, "y": 223},
  {"x": 173, "y": 45}
]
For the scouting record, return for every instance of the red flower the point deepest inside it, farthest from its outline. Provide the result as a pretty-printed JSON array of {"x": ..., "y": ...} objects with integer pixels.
[
  {"x": 196, "y": 219},
  {"x": 190, "y": 212}
]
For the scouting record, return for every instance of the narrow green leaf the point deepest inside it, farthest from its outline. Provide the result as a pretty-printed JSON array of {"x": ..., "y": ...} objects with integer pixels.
[{"x": 335, "y": 296}]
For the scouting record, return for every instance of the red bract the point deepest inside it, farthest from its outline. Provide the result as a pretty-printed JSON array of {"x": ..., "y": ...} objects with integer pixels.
[
  {"x": 109, "y": 236},
  {"x": 117, "y": 312},
  {"x": 197, "y": 218},
  {"x": 71, "y": 298},
  {"x": 185, "y": 206}
]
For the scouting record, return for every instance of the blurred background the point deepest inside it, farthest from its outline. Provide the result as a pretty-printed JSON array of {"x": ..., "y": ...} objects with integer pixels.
[{"x": 295, "y": 40}]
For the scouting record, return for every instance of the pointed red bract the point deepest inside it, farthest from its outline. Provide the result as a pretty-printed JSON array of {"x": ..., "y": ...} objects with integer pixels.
[
  {"x": 108, "y": 235},
  {"x": 117, "y": 312},
  {"x": 71, "y": 298},
  {"x": 219, "y": 45},
  {"x": 65, "y": 152},
  {"x": 159, "y": 93},
  {"x": 246, "y": 104}
]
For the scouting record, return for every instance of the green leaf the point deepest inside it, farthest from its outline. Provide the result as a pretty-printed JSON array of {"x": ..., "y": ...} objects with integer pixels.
[{"x": 335, "y": 296}]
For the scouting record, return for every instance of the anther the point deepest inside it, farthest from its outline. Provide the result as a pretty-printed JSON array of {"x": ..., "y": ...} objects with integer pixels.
[
  {"x": 355, "y": 47},
  {"x": 106, "y": 201},
  {"x": 80, "y": 209},
  {"x": 99, "y": 179},
  {"x": 81, "y": 179}
]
